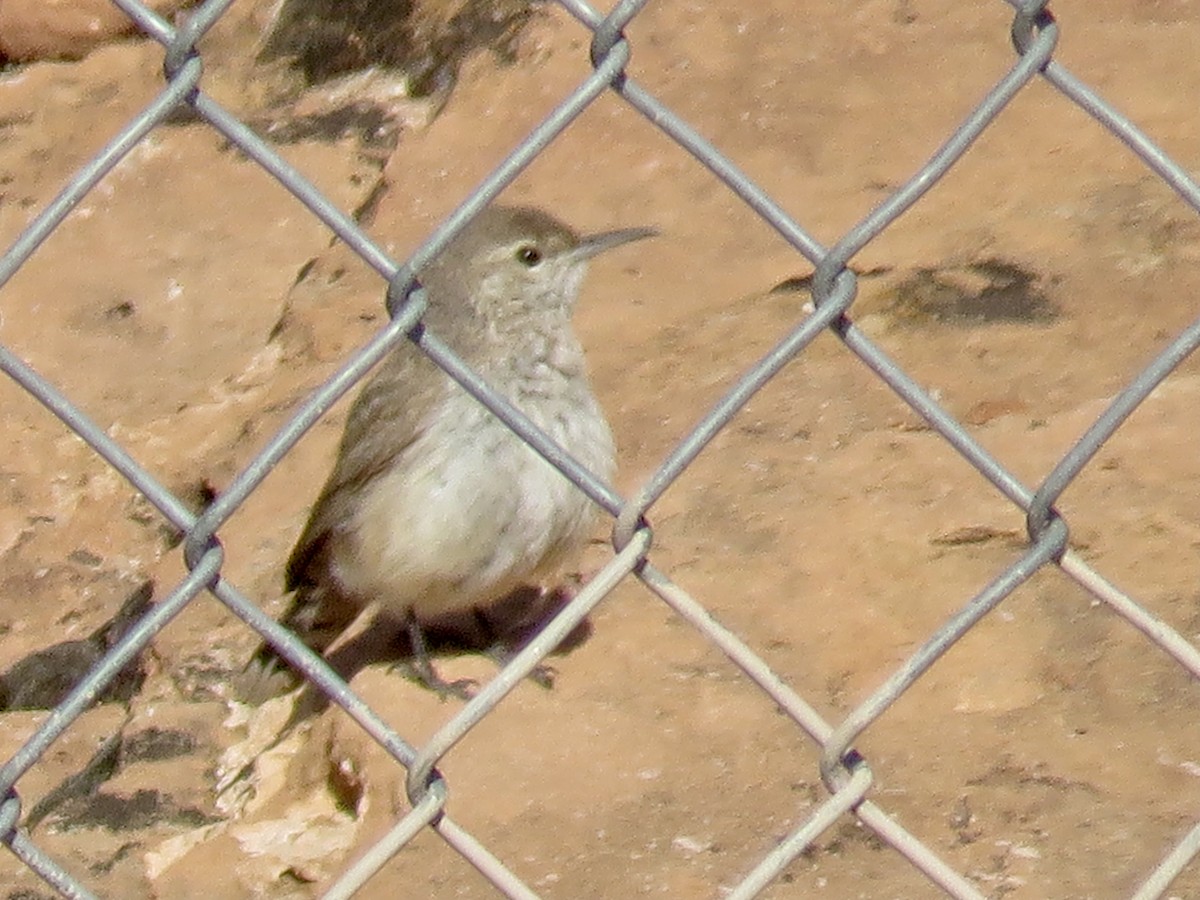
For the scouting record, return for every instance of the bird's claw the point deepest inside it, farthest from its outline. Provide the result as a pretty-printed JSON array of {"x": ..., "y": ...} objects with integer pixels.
[{"x": 427, "y": 677}]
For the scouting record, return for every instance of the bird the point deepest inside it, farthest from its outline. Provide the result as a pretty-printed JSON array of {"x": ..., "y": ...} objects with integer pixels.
[{"x": 434, "y": 507}]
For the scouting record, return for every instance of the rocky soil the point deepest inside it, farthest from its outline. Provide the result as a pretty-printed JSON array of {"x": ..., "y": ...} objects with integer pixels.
[{"x": 189, "y": 303}]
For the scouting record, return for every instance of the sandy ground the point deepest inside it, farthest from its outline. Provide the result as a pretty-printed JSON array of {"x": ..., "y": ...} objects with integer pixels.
[{"x": 190, "y": 302}]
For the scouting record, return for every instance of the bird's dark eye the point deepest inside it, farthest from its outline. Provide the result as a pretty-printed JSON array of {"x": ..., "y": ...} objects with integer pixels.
[{"x": 529, "y": 255}]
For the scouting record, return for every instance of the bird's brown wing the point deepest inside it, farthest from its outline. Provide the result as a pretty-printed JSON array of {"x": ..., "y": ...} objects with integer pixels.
[{"x": 386, "y": 418}]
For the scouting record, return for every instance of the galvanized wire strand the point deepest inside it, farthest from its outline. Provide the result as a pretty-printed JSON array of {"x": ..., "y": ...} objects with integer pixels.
[
  {"x": 364, "y": 868},
  {"x": 427, "y": 813},
  {"x": 32, "y": 236},
  {"x": 881, "y": 824},
  {"x": 316, "y": 671},
  {"x": 1163, "y": 635},
  {"x": 1046, "y": 548},
  {"x": 699, "y": 436},
  {"x": 482, "y": 859},
  {"x": 609, "y": 34},
  {"x": 524, "y": 662},
  {"x": 342, "y": 225},
  {"x": 675, "y": 127},
  {"x": 1128, "y": 133},
  {"x": 736, "y": 650},
  {"x": 45, "y": 867},
  {"x": 1121, "y": 407},
  {"x": 178, "y": 43},
  {"x": 506, "y": 172},
  {"x": 920, "y": 401},
  {"x": 85, "y": 692},
  {"x": 310, "y": 412},
  {"x": 936, "y": 168},
  {"x": 150, "y": 21},
  {"x": 808, "y": 719},
  {"x": 512, "y": 416},
  {"x": 10, "y": 813},
  {"x": 794, "y": 844},
  {"x": 109, "y": 450},
  {"x": 1171, "y": 867},
  {"x": 191, "y": 28},
  {"x": 925, "y": 860}
]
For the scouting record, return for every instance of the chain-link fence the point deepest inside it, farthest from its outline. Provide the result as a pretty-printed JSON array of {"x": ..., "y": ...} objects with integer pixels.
[{"x": 846, "y": 774}]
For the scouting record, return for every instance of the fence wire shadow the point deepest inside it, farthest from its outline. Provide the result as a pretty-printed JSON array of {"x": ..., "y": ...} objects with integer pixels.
[{"x": 846, "y": 774}]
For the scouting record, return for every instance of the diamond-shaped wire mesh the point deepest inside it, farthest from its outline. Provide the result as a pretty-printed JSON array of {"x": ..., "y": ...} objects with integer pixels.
[{"x": 851, "y": 788}]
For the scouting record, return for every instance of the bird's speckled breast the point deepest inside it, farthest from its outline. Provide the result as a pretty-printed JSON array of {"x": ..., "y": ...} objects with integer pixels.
[{"x": 413, "y": 548}]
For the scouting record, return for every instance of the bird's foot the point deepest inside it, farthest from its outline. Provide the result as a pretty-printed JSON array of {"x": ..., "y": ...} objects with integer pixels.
[
  {"x": 542, "y": 674},
  {"x": 424, "y": 674}
]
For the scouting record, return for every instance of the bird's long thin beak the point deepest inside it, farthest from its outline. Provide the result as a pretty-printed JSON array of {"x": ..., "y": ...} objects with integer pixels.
[{"x": 595, "y": 244}]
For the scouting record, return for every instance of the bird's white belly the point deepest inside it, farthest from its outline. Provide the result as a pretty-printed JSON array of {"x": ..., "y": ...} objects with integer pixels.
[{"x": 442, "y": 531}]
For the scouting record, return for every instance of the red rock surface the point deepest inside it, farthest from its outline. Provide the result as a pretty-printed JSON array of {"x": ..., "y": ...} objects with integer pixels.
[{"x": 1051, "y": 753}]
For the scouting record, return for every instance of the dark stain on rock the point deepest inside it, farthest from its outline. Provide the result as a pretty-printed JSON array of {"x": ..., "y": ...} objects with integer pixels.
[
  {"x": 372, "y": 127},
  {"x": 325, "y": 39},
  {"x": 980, "y": 293},
  {"x": 44, "y": 678},
  {"x": 157, "y": 744},
  {"x": 143, "y": 808}
]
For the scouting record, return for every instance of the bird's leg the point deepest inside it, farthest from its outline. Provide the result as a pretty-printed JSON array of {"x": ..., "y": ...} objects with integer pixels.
[
  {"x": 421, "y": 667},
  {"x": 501, "y": 651},
  {"x": 501, "y": 647}
]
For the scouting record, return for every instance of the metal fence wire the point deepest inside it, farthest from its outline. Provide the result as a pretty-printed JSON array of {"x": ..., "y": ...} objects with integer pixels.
[{"x": 847, "y": 775}]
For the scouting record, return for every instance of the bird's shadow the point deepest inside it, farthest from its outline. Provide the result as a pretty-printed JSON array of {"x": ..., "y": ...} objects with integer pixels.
[{"x": 498, "y": 631}]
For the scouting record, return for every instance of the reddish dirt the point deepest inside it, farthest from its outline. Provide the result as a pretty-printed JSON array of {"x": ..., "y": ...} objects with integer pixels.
[{"x": 190, "y": 302}]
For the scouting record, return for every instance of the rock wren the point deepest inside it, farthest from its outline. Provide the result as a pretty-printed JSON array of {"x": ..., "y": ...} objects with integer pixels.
[{"x": 434, "y": 507}]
